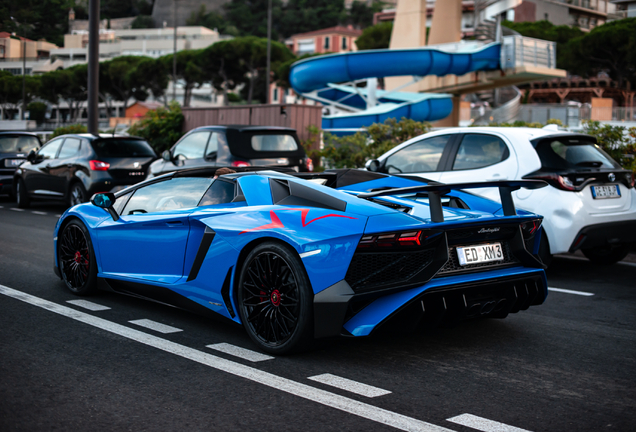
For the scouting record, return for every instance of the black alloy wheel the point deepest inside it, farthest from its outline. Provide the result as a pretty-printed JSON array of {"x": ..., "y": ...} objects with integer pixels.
[
  {"x": 275, "y": 299},
  {"x": 77, "y": 194},
  {"x": 21, "y": 195},
  {"x": 76, "y": 259}
]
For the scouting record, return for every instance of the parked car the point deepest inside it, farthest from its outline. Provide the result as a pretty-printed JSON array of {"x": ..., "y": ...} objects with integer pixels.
[
  {"x": 590, "y": 204},
  {"x": 14, "y": 148},
  {"x": 71, "y": 168},
  {"x": 235, "y": 146},
  {"x": 294, "y": 259}
]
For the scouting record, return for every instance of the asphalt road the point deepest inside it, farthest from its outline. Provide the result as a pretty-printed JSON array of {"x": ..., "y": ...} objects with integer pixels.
[{"x": 567, "y": 365}]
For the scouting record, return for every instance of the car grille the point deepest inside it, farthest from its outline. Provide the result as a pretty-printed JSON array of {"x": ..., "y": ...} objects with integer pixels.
[
  {"x": 372, "y": 271},
  {"x": 452, "y": 265}
]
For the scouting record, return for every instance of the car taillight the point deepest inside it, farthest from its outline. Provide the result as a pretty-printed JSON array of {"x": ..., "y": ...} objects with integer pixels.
[
  {"x": 99, "y": 165},
  {"x": 309, "y": 164},
  {"x": 630, "y": 179},
  {"x": 556, "y": 180},
  {"x": 396, "y": 239},
  {"x": 240, "y": 163},
  {"x": 530, "y": 228}
]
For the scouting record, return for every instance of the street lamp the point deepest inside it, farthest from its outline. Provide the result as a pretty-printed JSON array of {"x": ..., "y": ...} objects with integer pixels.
[
  {"x": 93, "y": 66},
  {"x": 269, "y": 48},
  {"x": 174, "y": 52}
]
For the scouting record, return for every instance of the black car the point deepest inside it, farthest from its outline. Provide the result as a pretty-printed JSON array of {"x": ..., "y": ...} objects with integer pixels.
[
  {"x": 236, "y": 146},
  {"x": 71, "y": 168},
  {"x": 14, "y": 148}
]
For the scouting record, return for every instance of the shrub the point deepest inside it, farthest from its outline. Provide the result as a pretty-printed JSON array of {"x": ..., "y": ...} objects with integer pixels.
[
  {"x": 71, "y": 129},
  {"x": 161, "y": 127}
]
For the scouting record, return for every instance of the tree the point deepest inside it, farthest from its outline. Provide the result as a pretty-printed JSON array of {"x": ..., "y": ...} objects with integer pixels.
[
  {"x": 221, "y": 65},
  {"x": 250, "y": 16},
  {"x": 361, "y": 14},
  {"x": 37, "y": 111},
  {"x": 143, "y": 21},
  {"x": 36, "y": 19},
  {"x": 211, "y": 20},
  {"x": 301, "y": 16},
  {"x": 161, "y": 127},
  {"x": 121, "y": 80},
  {"x": 189, "y": 70},
  {"x": 375, "y": 37},
  {"x": 608, "y": 48},
  {"x": 10, "y": 92}
]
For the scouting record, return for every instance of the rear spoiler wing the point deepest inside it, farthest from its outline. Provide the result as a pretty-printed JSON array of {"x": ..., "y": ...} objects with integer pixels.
[{"x": 437, "y": 190}]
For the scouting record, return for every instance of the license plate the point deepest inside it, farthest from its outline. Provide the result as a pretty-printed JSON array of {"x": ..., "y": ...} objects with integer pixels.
[
  {"x": 480, "y": 253},
  {"x": 13, "y": 162},
  {"x": 604, "y": 192}
]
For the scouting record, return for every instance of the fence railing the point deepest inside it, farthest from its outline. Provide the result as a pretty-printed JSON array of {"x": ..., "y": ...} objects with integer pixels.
[{"x": 525, "y": 51}]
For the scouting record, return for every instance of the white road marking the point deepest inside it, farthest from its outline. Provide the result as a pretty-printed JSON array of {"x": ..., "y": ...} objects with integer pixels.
[
  {"x": 88, "y": 305},
  {"x": 1, "y": 206},
  {"x": 349, "y": 385},
  {"x": 243, "y": 353},
  {"x": 566, "y": 291},
  {"x": 153, "y": 325},
  {"x": 310, "y": 253},
  {"x": 38, "y": 212},
  {"x": 16, "y": 209},
  {"x": 483, "y": 424},
  {"x": 277, "y": 382},
  {"x": 58, "y": 215},
  {"x": 631, "y": 264}
]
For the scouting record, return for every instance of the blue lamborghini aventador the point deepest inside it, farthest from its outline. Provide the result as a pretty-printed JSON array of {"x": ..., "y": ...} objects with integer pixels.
[{"x": 293, "y": 257}]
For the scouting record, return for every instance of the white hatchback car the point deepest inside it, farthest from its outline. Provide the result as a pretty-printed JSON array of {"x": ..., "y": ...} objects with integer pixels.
[{"x": 591, "y": 201}]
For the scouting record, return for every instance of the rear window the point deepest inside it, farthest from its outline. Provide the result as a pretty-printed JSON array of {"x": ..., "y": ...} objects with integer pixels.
[
  {"x": 267, "y": 143},
  {"x": 18, "y": 143},
  {"x": 565, "y": 154},
  {"x": 122, "y": 148}
]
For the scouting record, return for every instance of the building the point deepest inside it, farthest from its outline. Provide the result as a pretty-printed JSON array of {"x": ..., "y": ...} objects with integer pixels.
[
  {"x": 332, "y": 39},
  {"x": 585, "y": 14},
  {"x": 625, "y": 8},
  {"x": 13, "y": 48}
]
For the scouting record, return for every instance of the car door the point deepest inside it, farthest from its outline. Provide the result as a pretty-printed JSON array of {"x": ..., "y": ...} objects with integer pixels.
[
  {"x": 63, "y": 167},
  {"x": 148, "y": 241},
  {"x": 480, "y": 157},
  {"x": 423, "y": 157},
  {"x": 38, "y": 178}
]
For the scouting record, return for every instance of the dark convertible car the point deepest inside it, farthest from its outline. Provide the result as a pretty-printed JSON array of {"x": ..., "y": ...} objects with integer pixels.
[{"x": 71, "y": 168}]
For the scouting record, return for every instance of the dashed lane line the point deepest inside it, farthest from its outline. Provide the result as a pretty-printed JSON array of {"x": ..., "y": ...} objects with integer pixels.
[
  {"x": 349, "y": 385},
  {"x": 39, "y": 213},
  {"x": 482, "y": 424},
  {"x": 16, "y": 209},
  {"x": 277, "y": 382},
  {"x": 153, "y": 325},
  {"x": 88, "y": 305},
  {"x": 239, "y": 352},
  {"x": 567, "y": 291}
]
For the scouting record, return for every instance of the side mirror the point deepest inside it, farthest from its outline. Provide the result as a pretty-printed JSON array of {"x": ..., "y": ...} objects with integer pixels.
[
  {"x": 373, "y": 165},
  {"x": 105, "y": 200},
  {"x": 32, "y": 156},
  {"x": 166, "y": 156}
]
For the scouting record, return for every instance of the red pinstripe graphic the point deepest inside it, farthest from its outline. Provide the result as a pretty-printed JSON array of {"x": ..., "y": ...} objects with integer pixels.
[{"x": 276, "y": 223}]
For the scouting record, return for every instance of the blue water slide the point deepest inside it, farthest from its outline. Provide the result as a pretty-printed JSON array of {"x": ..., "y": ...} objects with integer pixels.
[{"x": 317, "y": 73}]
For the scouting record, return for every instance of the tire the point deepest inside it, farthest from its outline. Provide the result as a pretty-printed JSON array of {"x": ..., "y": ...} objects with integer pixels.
[
  {"x": 607, "y": 255},
  {"x": 77, "y": 194},
  {"x": 76, "y": 259},
  {"x": 544, "y": 250},
  {"x": 275, "y": 299},
  {"x": 21, "y": 194}
]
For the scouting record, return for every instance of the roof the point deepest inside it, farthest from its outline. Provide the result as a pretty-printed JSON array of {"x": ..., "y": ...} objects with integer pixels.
[
  {"x": 249, "y": 128},
  {"x": 150, "y": 105},
  {"x": 337, "y": 29},
  {"x": 4, "y": 35}
]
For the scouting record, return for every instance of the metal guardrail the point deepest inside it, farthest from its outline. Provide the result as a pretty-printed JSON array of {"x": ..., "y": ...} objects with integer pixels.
[{"x": 525, "y": 51}]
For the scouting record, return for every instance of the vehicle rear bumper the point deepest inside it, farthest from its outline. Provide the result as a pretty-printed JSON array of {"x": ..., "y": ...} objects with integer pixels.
[
  {"x": 612, "y": 233},
  {"x": 443, "y": 300}
]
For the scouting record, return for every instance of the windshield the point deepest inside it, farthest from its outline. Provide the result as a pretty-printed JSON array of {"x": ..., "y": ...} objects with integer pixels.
[
  {"x": 564, "y": 153},
  {"x": 274, "y": 143},
  {"x": 106, "y": 148},
  {"x": 18, "y": 143}
]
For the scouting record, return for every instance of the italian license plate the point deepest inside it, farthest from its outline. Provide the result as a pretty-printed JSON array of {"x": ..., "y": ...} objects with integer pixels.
[
  {"x": 480, "y": 253},
  {"x": 604, "y": 192},
  {"x": 13, "y": 162}
]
